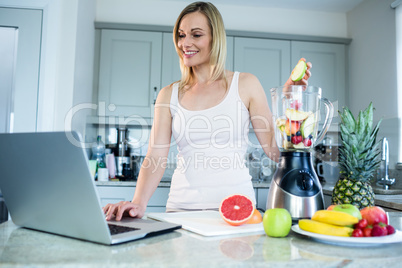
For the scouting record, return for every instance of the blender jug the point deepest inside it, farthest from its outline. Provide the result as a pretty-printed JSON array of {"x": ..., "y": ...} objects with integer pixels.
[{"x": 296, "y": 112}]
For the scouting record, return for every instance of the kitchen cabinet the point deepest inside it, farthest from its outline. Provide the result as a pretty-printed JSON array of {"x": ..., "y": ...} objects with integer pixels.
[
  {"x": 115, "y": 194},
  {"x": 170, "y": 60},
  {"x": 328, "y": 71},
  {"x": 262, "y": 196},
  {"x": 269, "y": 60},
  {"x": 134, "y": 66},
  {"x": 129, "y": 71}
]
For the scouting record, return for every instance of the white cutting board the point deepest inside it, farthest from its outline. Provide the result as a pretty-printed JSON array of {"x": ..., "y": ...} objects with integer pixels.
[{"x": 206, "y": 223}]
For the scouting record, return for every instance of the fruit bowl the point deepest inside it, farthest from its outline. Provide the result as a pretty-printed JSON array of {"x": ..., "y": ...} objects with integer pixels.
[{"x": 351, "y": 241}]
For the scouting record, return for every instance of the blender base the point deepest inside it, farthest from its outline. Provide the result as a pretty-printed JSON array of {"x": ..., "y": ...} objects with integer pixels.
[{"x": 299, "y": 207}]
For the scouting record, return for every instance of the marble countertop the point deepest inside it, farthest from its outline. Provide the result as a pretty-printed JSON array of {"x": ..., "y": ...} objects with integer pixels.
[{"x": 21, "y": 247}]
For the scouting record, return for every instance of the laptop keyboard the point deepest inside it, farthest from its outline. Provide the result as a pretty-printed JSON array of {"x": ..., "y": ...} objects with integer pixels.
[{"x": 117, "y": 229}]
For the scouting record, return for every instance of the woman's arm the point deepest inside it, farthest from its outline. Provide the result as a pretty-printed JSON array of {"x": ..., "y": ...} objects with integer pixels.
[
  {"x": 154, "y": 164},
  {"x": 253, "y": 96}
]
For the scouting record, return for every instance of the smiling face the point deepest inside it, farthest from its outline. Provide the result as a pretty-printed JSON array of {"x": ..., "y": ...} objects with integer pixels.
[{"x": 195, "y": 39}]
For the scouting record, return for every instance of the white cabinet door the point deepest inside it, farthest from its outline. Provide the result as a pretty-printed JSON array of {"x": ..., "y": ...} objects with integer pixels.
[
  {"x": 328, "y": 71},
  {"x": 171, "y": 63},
  {"x": 130, "y": 71},
  {"x": 19, "y": 87},
  {"x": 269, "y": 60},
  {"x": 230, "y": 53},
  {"x": 115, "y": 194},
  {"x": 262, "y": 195}
]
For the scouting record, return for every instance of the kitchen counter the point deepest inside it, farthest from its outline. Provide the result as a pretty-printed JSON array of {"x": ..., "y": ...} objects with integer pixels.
[
  {"x": 164, "y": 183},
  {"x": 389, "y": 201},
  {"x": 23, "y": 247}
]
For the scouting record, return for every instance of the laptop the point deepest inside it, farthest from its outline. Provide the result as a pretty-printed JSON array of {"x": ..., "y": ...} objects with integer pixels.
[{"x": 47, "y": 186}]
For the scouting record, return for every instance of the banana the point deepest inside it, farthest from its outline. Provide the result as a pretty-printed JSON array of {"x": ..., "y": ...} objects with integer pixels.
[
  {"x": 324, "y": 228},
  {"x": 334, "y": 217}
]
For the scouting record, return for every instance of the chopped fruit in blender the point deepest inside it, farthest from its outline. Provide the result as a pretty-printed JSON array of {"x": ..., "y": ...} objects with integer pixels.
[
  {"x": 307, "y": 142},
  {"x": 296, "y": 115},
  {"x": 296, "y": 104},
  {"x": 280, "y": 122},
  {"x": 292, "y": 127},
  {"x": 307, "y": 127},
  {"x": 296, "y": 139},
  {"x": 287, "y": 145},
  {"x": 300, "y": 145}
]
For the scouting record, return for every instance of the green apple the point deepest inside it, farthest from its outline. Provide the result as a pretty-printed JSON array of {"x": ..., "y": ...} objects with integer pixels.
[
  {"x": 296, "y": 115},
  {"x": 307, "y": 127},
  {"x": 349, "y": 209},
  {"x": 299, "y": 71},
  {"x": 277, "y": 222}
]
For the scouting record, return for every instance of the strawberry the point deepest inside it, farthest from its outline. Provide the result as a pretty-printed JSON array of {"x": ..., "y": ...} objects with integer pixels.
[
  {"x": 367, "y": 231},
  {"x": 390, "y": 229},
  {"x": 296, "y": 139},
  {"x": 361, "y": 224},
  {"x": 296, "y": 104},
  {"x": 307, "y": 142},
  {"x": 379, "y": 229},
  {"x": 357, "y": 233}
]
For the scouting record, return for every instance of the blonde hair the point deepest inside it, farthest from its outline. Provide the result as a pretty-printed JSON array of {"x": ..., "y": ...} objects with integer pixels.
[{"x": 218, "y": 48}]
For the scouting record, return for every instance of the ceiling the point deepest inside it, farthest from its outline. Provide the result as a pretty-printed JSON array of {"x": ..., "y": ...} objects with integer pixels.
[{"x": 342, "y": 6}]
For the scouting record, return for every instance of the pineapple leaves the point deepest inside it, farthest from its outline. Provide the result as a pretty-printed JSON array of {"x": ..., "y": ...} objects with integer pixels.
[
  {"x": 347, "y": 119},
  {"x": 359, "y": 156}
]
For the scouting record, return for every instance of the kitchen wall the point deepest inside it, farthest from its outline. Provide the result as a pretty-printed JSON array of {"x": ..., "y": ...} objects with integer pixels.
[
  {"x": 372, "y": 67},
  {"x": 66, "y": 62},
  {"x": 274, "y": 20}
]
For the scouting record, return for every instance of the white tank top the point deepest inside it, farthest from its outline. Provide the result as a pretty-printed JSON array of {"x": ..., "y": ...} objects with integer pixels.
[{"x": 212, "y": 145}]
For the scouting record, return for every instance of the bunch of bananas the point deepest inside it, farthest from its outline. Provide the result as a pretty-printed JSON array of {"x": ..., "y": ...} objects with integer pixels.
[{"x": 329, "y": 222}]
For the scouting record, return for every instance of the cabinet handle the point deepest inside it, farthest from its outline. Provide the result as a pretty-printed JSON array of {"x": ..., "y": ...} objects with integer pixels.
[{"x": 155, "y": 94}]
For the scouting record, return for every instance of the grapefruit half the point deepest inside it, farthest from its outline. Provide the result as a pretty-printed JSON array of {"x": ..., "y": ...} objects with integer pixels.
[{"x": 236, "y": 209}]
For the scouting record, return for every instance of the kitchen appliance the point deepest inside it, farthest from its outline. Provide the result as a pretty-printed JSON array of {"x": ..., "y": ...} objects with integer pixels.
[
  {"x": 67, "y": 202},
  {"x": 295, "y": 185}
]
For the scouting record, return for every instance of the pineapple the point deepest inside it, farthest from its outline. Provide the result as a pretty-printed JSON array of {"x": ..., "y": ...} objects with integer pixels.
[{"x": 358, "y": 159}]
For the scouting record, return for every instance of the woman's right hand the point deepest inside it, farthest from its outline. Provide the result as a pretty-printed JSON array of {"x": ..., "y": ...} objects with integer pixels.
[{"x": 123, "y": 208}]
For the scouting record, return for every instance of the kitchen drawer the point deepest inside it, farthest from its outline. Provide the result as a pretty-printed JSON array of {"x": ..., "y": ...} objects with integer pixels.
[{"x": 115, "y": 194}]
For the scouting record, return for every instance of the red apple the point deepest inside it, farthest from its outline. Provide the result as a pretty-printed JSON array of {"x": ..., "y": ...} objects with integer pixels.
[
  {"x": 374, "y": 215},
  {"x": 331, "y": 207}
]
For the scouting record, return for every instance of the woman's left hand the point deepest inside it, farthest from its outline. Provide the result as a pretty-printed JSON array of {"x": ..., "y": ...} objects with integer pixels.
[{"x": 304, "y": 80}]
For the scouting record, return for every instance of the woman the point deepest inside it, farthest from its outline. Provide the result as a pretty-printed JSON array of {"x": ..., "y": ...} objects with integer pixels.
[{"x": 208, "y": 112}]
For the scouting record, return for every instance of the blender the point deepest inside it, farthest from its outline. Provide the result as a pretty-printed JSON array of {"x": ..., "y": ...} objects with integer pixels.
[{"x": 295, "y": 185}]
